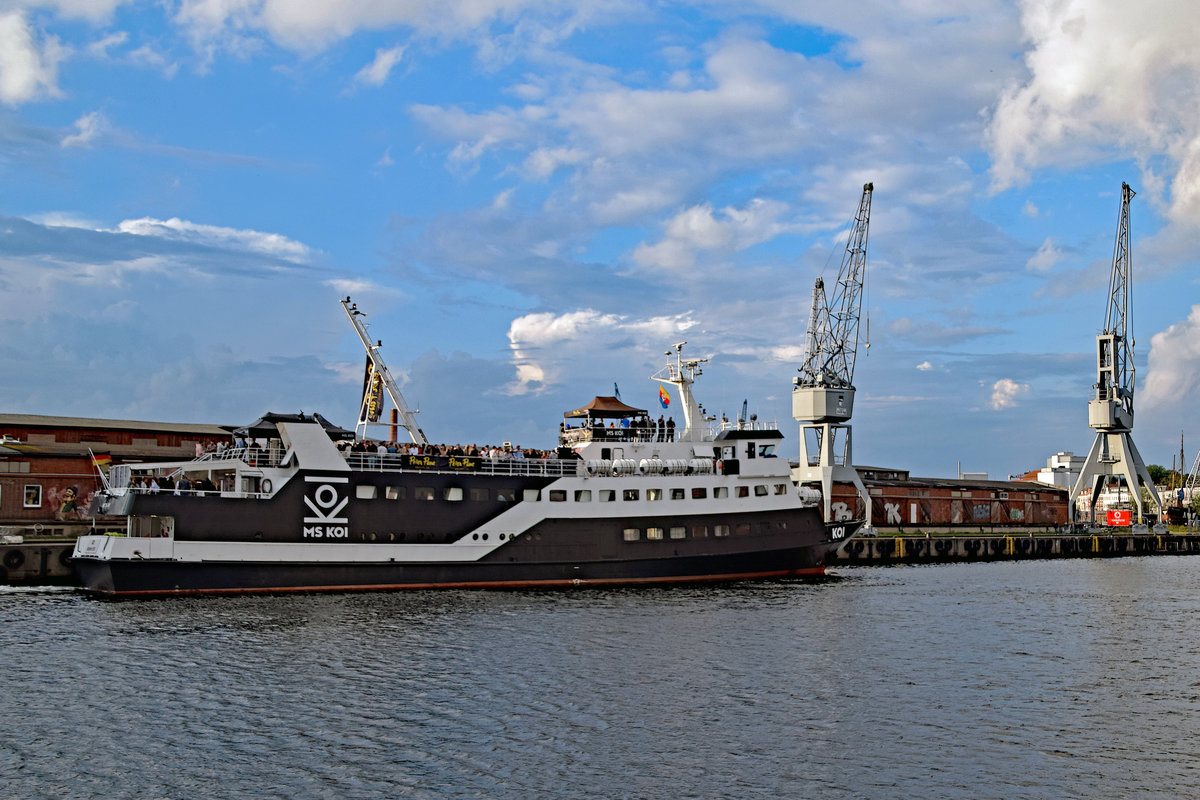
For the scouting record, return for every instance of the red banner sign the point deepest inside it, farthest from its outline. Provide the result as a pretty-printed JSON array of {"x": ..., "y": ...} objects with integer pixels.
[{"x": 1119, "y": 517}]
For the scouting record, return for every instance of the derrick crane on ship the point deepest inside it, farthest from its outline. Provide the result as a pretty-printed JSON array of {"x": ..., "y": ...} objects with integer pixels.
[
  {"x": 1110, "y": 411},
  {"x": 823, "y": 392},
  {"x": 379, "y": 377}
]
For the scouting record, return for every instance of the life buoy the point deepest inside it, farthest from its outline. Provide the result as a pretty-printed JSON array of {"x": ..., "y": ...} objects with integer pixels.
[
  {"x": 720, "y": 467},
  {"x": 266, "y": 485},
  {"x": 14, "y": 559}
]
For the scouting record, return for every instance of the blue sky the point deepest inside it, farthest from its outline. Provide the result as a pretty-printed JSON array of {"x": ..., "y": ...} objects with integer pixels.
[{"x": 532, "y": 200}]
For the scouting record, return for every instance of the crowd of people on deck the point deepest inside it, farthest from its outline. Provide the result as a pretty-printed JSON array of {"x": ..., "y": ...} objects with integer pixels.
[
  {"x": 492, "y": 452},
  {"x": 166, "y": 484},
  {"x": 640, "y": 428}
]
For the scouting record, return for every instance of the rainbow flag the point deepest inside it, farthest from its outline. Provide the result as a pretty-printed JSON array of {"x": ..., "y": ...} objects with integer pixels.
[{"x": 663, "y": 397}]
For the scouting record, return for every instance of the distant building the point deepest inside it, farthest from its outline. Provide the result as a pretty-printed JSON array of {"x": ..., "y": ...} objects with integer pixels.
[{"x": 1062, "y": 469}]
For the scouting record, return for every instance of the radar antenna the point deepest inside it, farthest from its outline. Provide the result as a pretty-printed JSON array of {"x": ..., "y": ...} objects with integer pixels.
[
  {"x": 379, "y": 376},
  {"x": 823, "y": 396},
  {"x": 1110, "y": 412}
]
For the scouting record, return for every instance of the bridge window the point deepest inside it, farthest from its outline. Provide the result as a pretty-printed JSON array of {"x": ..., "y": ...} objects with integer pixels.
[
  {"x": 678, "y": 532},
  {"x": 423, "y": 493},
  {"x": 699, "y": 492},
  {"x": 743, "y": 491},
  {"x": 583, "y": 495},
  {"x": 395, "y": 492},
  {"x": 654, "y": 494},
  {"x": 654, "y": 533},
  {"x": 720, "y": 530},
  {"x": 760, "y": 490},
  {"x": 530, "y": 495},
  {"x": 720, "y": 492},
  {"x": 480, "y": 494},
  {"x": 629, "y": 494},
  {"x": 558, "y": 495},
  {"x": 677, "y": 494},
  {"x": 608, "y": 495},
  {"x": 781, "y": 488},
  {"x": 699, "y": 531},
  {"x": 632, "y": 534},
  {"x": 452, "y": 493}
]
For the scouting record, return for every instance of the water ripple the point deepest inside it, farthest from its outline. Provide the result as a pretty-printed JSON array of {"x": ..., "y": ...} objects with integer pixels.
[{"x": 1039, "y": 679}]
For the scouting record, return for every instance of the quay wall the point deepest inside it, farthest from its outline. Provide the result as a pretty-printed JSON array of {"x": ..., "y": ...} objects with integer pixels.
[{"x": 935, "y": 549}]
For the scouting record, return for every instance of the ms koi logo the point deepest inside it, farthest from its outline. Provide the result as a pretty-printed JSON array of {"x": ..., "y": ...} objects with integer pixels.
[{"x": 326, "y": 498}]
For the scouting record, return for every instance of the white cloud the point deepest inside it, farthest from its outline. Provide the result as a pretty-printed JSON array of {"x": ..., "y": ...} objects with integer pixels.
[
  {"x": 87, "y": 128},
  {"x": 542, "y": 343},
  {"x": 313, "y": 26},
  {"x": 376, "y": 73},
  {"x": 273, "y": 244},
  {"x": 27, "y": 70},
  {"x": 1173, "y": 372},
  {"x": 1005, "y": 393},
  {"x": 1030, "y": 209},
  {"x": 699, "y": 228},
  {"x": 924, "y": 366},
  {"x": 1045, "y": 258},
  {"x": 1106, "y": 80}
]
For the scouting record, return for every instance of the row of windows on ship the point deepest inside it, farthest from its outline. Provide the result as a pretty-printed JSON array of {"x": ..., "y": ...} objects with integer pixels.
[
  {"x": 484, "y": 493},
  {"x": 648, "y": 534}
]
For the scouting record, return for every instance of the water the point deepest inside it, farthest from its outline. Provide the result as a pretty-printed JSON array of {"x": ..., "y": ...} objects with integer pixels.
[{"x": 1049, "y": 679}]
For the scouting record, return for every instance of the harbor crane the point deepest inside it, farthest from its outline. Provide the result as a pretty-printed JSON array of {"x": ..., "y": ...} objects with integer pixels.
[
  {"x": 379, "y": 377},
  {"x": 823, "y": 392},
  {"x": 1189, "y": 492},
  {"x": 1110, "y": 412}
]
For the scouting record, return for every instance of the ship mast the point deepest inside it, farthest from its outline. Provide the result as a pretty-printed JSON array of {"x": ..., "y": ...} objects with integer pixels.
[
  {"x": 378, "y": 372},
  {"x": 681, "y": 374}
]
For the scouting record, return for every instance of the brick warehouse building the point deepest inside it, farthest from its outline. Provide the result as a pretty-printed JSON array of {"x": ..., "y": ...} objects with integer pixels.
[
  {"x": 47, "y": 477},
  {"x": 901, "y": 502}
]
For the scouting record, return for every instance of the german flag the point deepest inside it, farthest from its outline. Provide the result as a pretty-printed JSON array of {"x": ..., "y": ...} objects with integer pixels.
[{"x": 102, "y": 461}]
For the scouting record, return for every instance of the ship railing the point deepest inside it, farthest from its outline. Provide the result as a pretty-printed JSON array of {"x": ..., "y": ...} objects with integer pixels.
[
  {"x": 747, "y": 425},
  {"x": 254, "y": 456},
  {"x": 404, "y": 462},
  {"x": 574, "y": 436}
]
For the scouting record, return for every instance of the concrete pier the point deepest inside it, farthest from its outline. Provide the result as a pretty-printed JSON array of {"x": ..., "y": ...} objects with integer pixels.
[
  {"x": 36, "y": 563},
  {"x": 932, "y": 549}
]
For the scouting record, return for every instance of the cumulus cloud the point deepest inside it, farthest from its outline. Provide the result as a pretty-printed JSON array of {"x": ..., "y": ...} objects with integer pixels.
[
  {"x": 699, "y": 228},
  {"x": 924, "y": 366},
  {"x": 376, "y": 73},
  {"x": 1045, "y": 258},
  {"x": 1173, "y": 371},
  {"x": 87, "y": 128},
  {"x": 1005, "y": 393},
  {"x": 27, "y": 68},
  {"x": 541, "y": 343},
  {"x": 1106, "y": 80}
]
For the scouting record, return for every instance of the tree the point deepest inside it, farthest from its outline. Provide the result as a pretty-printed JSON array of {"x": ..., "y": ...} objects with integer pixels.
[{"x": 1158, "y": 474}]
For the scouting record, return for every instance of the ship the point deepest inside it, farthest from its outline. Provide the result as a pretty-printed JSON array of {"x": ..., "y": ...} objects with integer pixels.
[{"x": 301, "y": 505}]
